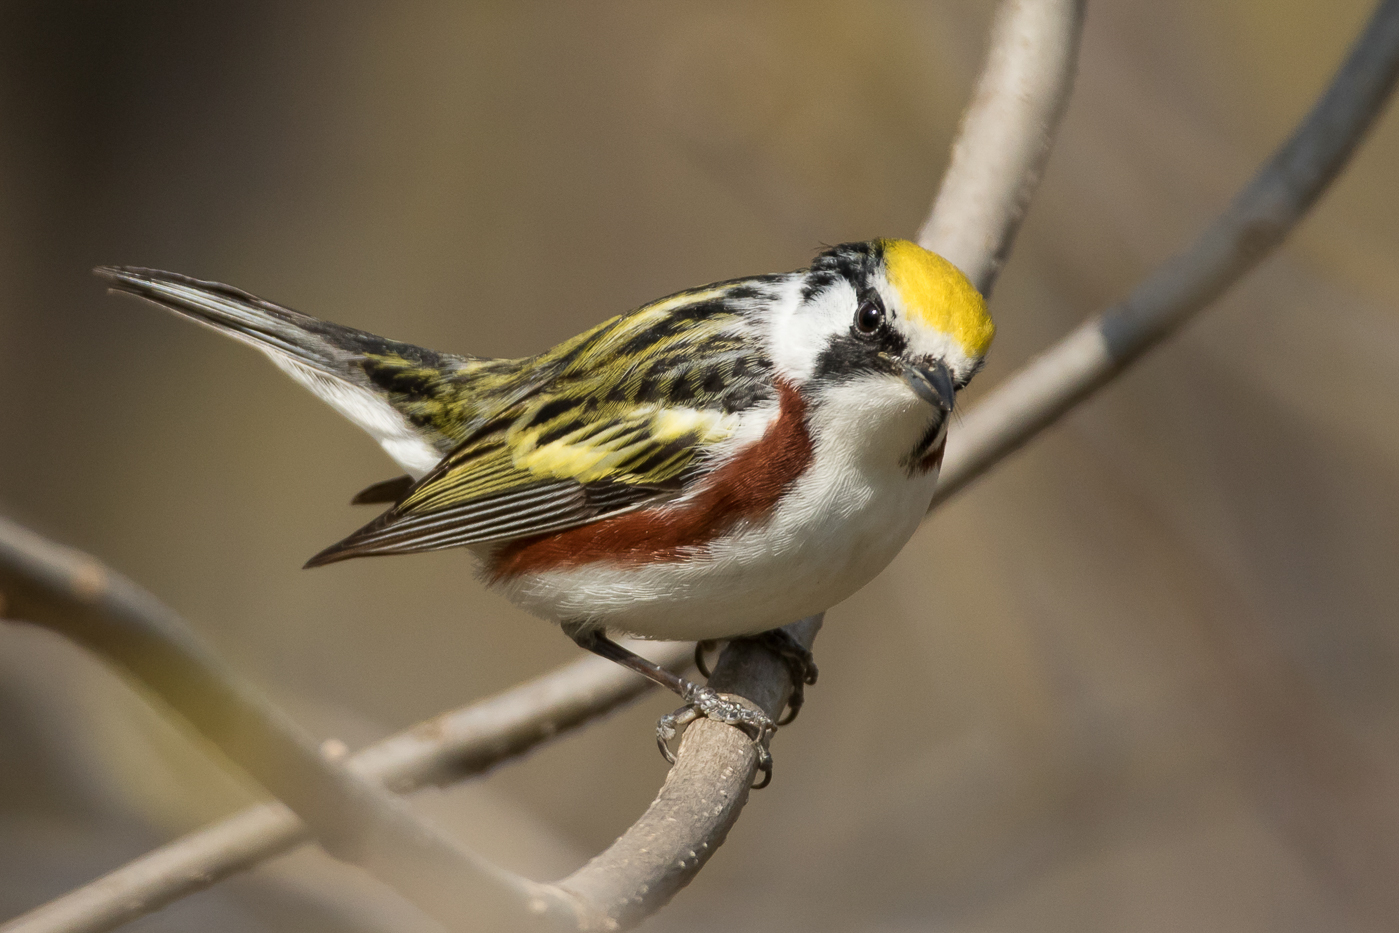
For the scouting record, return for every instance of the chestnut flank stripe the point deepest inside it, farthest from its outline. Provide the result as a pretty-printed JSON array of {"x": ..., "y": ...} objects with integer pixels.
[{"x": 746, "y": 487}]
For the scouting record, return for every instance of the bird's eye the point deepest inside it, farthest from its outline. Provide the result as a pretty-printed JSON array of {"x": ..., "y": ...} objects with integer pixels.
[{"x": 869, "y": 316}]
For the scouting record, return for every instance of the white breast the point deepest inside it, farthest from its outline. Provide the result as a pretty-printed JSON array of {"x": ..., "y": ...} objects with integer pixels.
[{"x": 841, "y": 523}]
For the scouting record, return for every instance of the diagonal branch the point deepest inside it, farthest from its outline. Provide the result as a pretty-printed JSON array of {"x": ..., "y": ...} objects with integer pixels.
[
  {"x": 352, "y": 817},
  {"x": 700, "y": 800}
]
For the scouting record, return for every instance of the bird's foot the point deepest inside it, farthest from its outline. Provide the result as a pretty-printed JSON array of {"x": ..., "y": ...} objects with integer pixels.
[{"x": 706, "y": 703}]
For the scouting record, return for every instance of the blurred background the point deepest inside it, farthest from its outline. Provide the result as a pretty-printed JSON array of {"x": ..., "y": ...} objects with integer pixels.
[{"x": 1142, "y": 677}]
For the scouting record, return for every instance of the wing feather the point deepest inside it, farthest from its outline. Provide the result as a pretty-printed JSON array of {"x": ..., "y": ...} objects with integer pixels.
[{"x": 618, "y": 418}]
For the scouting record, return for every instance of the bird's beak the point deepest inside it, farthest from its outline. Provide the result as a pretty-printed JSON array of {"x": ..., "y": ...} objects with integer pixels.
[{"x": 932, "y": 381}]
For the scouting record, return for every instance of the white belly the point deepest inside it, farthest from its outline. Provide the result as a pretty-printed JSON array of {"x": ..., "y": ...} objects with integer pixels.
[{"x": 842, "y": 523}]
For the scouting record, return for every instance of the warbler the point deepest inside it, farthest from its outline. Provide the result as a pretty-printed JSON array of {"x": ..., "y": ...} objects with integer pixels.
[{"x": 712, "y": 465}]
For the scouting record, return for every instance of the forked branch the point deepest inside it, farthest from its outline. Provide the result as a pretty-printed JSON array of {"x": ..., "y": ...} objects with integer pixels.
[{"x": 351, "y": 816}]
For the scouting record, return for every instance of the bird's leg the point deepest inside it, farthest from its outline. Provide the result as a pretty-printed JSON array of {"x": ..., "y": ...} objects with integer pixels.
[
  {"x": 598, "y": 643},
  {"x": 699, "y": 700}
]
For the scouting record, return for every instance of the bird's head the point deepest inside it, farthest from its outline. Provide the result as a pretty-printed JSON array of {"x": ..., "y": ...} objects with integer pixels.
[{"x": 884, "y": 311}]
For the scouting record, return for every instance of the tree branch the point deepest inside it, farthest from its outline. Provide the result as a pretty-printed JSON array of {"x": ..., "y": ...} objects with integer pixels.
[
  {"x": 701, "y": 798},
  {"x": 1255, "y": 223}
]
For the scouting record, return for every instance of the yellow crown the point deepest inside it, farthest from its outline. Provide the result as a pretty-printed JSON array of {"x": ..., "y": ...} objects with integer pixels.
[{"x": 937, "y": 293}]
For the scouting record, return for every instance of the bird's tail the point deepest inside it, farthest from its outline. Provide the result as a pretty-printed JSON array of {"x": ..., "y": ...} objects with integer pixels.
[{"x": 395, "y": 391}]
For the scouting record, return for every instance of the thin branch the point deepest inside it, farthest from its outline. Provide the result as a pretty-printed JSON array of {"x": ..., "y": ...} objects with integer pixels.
[
  {"x": 1006, "y": 136},
  {"x": 477, "y": 738},
  {"x": 1253, "y": 225},
  {"x": 447, "y": 748}
]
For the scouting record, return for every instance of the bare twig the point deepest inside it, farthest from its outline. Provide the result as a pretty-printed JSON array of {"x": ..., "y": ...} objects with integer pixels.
[
  {"x": 1006, "y": 135},
  {"x": 446, "y": 748},
  {"x": 1254, "y": 224},
  {"x": 476, "y": 738}
]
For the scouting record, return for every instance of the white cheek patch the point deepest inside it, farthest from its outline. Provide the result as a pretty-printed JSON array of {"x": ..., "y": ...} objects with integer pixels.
[{"x": 798, "y": 331}]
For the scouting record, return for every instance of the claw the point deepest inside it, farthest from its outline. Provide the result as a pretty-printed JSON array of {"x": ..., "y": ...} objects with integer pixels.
[
  {"x": 794, "y": 705},
  {"x": 669, "y": 726},
  {"x": 700, "y": 648},
  {"x": 765, "y": 766}
]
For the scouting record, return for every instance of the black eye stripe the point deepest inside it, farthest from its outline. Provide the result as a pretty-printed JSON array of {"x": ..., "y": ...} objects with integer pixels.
[{"x": 853, "y": 353}]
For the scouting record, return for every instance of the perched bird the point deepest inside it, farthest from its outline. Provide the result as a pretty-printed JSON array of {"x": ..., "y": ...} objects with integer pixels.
[{"x": 713, "y": 465}]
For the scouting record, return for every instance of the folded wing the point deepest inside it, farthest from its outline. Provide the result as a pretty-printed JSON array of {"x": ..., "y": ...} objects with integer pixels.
[{"x": 622, "y": 417}]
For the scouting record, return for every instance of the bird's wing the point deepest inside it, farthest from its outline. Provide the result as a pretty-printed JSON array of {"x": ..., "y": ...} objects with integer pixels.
[{"x": 622, "y": 416}]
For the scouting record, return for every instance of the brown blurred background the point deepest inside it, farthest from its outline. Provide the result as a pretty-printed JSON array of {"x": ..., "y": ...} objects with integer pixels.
[{"x": 1143, "y": 677}]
